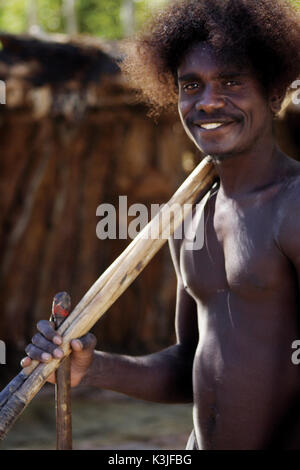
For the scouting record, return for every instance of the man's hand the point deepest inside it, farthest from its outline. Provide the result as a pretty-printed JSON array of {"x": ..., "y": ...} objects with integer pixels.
[{"x": 45, "y": 345}]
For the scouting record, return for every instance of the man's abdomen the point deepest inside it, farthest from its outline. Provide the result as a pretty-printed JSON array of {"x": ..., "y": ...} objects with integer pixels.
[{"x": 244, "y": 379}]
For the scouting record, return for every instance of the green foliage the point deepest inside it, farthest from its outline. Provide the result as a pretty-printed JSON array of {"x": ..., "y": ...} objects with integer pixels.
[
  {"x": 144, "y": 9},
  {"x": 100, "y": 18},
  {"x": 12, "y": 15},
  {"x": 50, "y": 16},
  {"x": 95, "y": 17}
]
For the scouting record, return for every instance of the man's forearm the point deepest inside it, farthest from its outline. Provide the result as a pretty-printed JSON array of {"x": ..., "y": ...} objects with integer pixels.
[{"x": 164, "y": 377}]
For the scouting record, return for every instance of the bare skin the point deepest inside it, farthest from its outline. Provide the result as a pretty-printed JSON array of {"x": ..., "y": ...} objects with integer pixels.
[{"x": 237, "y": 311}]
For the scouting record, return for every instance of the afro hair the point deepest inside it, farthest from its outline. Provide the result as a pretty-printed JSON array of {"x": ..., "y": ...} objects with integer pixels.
[{"x": 264, "y": 33}]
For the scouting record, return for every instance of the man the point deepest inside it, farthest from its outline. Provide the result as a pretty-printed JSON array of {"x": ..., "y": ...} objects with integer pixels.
[{"x": 237, "y": 311}]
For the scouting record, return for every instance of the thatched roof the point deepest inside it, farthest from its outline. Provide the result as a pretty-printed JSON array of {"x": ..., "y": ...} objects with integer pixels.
[{"x": 59, "y": 75}]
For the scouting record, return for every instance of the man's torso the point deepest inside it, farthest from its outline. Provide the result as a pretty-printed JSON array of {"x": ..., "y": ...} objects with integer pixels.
[{"x": 246, "y": 293}]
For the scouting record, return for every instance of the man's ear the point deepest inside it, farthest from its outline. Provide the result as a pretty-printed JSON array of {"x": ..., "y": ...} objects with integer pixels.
[{"x": 275, "y": 101}]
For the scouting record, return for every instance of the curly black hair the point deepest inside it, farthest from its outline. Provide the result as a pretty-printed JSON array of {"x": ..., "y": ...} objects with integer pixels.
[{"x": 262, "y": 33}]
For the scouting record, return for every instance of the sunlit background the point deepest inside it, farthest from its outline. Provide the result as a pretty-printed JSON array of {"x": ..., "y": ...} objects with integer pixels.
[
  {"x": 113, "y": 148},
  {"x": 68, "y": 142},
  {"x": 110, "y": 19}
]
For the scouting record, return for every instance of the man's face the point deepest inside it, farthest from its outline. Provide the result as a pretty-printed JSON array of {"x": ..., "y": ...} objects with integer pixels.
[{"x": 223, "y": 108}]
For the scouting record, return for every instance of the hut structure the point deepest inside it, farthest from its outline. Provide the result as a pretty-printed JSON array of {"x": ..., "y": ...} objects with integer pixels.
[{"x": 72, "y": 137}]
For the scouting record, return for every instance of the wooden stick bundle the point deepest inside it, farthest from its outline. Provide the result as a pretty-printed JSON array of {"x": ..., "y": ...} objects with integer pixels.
[{"x": 107, "y": 289}]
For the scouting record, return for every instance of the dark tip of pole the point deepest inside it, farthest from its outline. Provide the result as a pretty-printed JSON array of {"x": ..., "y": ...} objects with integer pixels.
[{"x": 63, "y": 299}]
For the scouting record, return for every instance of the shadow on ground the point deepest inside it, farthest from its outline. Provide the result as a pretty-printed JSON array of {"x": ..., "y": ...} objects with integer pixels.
[{"x": 102, "y": 420}]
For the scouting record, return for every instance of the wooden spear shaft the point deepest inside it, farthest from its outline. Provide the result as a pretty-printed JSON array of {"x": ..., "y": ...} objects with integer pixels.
[
  {"x": 112, "y": 283},
  {"x": 60, "y": 310}
]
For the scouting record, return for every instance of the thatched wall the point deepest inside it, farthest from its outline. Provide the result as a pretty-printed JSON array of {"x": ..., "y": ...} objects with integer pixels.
[{"x": 71, "y": 138}]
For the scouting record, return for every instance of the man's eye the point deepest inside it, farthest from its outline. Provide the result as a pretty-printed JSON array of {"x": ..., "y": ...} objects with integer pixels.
[
  {"x": 191, "y": 86},
  {"x": 231, "y": 83}
]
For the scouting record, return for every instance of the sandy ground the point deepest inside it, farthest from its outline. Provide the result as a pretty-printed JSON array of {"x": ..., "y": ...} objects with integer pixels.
[{"x": 104, "y": 421}]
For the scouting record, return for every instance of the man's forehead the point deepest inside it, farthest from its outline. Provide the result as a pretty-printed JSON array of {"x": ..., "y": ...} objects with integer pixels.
[{"x": 202, "y": 58}]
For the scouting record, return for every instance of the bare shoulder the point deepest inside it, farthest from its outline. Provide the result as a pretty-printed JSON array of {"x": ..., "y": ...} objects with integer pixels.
[
  {"x": 290, "y": 194},
  {"x": 288, "y": 211}
]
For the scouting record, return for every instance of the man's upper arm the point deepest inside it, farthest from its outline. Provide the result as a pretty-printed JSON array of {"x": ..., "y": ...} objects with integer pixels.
[
  {"x": 289, "y": 230},
  {"x": 186, "y": 322}
]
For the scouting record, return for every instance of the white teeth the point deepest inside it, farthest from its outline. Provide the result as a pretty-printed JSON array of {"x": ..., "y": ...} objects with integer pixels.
[{"x": 212, "y": 125}]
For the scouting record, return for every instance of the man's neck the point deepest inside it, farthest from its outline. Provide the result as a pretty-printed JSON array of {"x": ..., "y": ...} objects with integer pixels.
[{"x": 248, "y": 171}]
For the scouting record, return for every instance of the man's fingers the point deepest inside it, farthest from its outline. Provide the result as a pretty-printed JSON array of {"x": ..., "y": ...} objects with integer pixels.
[
  {"x": 42, "y": 343},
  {"x": 85, "y": 342},
  {"x": 37, "y": 354},
  {"x": 47, "y": 329},
  {"x": 34, "y": 352},
  {"x": 25, "y": 362},
  {"x": 77, "y": 345},
  {"x": 43, "y": 349}
]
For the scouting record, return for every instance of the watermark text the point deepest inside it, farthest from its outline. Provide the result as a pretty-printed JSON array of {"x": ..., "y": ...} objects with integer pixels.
[
  {"x": 186, "y": 222},
  {"x": 296, "y": 354},
  {"x": 296, "y": 95},
  {"x": 2, "y": 92},
  {"x": 2, "y": 352}
]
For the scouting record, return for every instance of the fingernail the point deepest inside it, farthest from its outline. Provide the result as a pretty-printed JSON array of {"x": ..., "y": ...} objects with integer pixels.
[
  {"x": 58, "y": 353},
  {"x": 46, "y": 356},
  {"x": 57, "y": 340},
  {"x": 77, "y": 343}
]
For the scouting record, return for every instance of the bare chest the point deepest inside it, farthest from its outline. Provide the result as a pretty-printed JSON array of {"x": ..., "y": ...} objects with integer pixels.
[{"x": 239, "y": 252}]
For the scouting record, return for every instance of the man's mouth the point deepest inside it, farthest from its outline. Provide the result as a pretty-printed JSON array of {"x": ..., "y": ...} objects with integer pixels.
[{"x": 210, "y": 126}]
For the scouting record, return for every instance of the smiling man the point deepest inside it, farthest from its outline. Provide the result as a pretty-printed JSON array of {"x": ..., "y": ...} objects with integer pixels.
[
  {"x": 227, "y": 64},
  {"x": 223, "y": 110}
]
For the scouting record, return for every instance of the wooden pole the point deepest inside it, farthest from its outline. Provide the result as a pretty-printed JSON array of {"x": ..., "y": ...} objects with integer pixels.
[
  {"x": 60, "y": 310},
  {"x": 111, "y": 284}
]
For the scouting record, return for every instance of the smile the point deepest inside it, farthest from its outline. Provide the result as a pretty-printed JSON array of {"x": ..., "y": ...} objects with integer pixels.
[{"x": 210, "y": 126}]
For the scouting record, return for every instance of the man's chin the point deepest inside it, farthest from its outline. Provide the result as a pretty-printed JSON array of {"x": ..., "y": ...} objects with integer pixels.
[{"x": 217, "y": 152}]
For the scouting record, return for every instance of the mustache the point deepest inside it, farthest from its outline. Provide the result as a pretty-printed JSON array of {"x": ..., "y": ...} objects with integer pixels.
[{"x": 202, "y": 118}]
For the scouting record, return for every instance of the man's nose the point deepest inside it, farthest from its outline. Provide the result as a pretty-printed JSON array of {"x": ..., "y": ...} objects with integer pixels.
[{"x": 210, "y": 100}]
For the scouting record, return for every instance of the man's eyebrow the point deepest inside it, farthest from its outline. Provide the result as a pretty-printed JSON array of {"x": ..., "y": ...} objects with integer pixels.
[
  {"x": 224, "y": 75},
  {"x": 187, "y": 77},
  {"x": 232, "y": 74}
]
